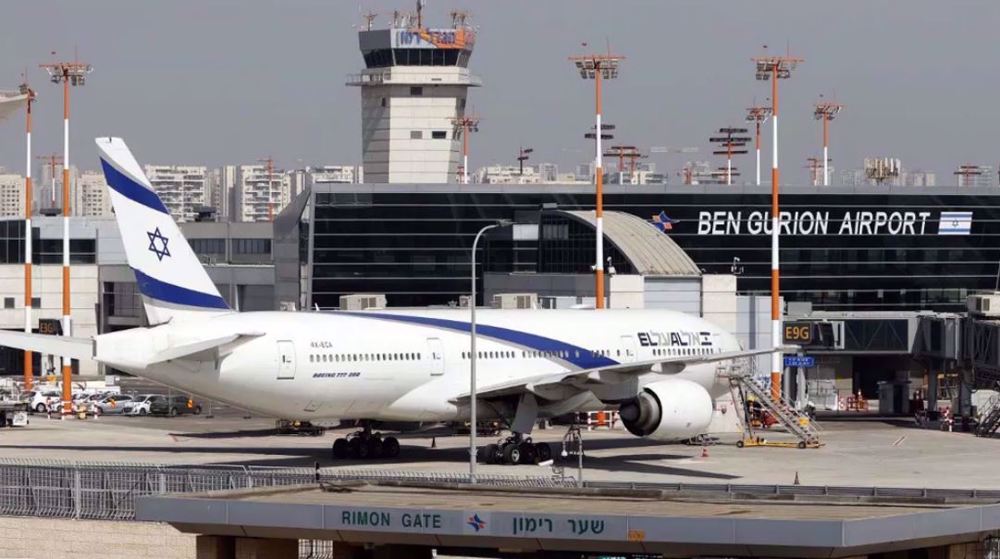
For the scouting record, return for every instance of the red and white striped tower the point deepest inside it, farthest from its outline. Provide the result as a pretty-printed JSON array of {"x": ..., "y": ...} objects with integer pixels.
[
  {"x": 775, "y": 68},
  {"x": 29, "y": 372},
  {"x": 598, "y": 67},
  {"x": 825, "y": 111},
  {"x": 758, "y": 115},
  {"x": 75, "y": 74}
]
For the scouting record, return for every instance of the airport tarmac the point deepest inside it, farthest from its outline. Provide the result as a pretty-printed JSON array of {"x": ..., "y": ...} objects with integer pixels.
[{"x": 864, "y": 453}]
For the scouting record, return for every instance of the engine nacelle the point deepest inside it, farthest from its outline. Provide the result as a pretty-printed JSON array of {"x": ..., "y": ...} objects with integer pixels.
[{"x": 668, "y": 410}]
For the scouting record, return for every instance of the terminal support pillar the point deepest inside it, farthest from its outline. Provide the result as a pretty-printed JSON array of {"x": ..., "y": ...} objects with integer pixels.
[
  {"x": 215, "y": 547},
  {"x": 266, "y": 548}
]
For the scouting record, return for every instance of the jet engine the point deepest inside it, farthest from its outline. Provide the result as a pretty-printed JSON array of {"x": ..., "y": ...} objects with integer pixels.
[{"x": 668, "y": 410}]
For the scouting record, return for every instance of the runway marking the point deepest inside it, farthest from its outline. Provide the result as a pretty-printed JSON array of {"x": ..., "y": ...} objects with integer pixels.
[{"x": 899, "y": 441}]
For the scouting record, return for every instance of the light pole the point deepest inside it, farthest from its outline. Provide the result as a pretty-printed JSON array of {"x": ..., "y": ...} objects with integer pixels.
[
  {"x": 825, "y": 111},
  {"x": 597, "y": 67},
  {"x": 775, "y": 68},
  {"x": 758, "y": 115},
  {"x": 472, "y": 350},
  {"x": 75, "y": 74},
  {"x": 29, "y": 374}
]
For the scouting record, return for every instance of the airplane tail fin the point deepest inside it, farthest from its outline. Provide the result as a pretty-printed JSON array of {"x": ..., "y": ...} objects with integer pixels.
[{"x": 173, "y": 283}]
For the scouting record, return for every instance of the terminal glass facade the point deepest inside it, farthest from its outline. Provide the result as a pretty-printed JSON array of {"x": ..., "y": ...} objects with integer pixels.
[{"x": 841, "y": 249}]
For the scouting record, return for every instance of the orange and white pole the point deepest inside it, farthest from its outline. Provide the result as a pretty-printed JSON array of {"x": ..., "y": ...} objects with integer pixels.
[
  {"x": 826, "y": 155},
  {"x": 599, "y": 207},
  {"x": 29, "y": 373},
  {"x": 757, "y": 145},
  {"x": 776, "y": 357},
  {"x": 465, "y": 151},
  {"x": 67, "y": 366}
]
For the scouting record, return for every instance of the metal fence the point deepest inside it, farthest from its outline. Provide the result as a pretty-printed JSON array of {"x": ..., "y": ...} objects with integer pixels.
[{"x": 107, "y": 491}]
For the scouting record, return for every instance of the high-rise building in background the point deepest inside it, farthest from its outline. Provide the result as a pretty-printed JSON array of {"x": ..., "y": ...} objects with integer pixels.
[
  {"x": 507, "y": 174},
  {"x": 90, "y": 197},
  {"x": 341, "y": 174},
  {"x": 258, "y": 194},
  {"x": 48, "y": 193},
  {"x": 413, "y": 89},
  {"x": 184, "y": 189},
  {"x": 11, "y": 195},
  {"x": 549, "y": 172}
]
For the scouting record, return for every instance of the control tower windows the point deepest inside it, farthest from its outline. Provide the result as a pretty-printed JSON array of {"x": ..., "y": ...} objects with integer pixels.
[
  {"x": 427, "y": 57},
  {"x": 381, "y": 58}
]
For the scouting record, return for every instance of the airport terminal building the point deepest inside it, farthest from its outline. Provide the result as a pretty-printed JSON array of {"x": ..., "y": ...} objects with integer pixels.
[{"x": 843, "y": 248}]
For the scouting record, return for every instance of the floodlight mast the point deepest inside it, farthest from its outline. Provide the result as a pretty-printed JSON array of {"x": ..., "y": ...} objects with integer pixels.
[
  {"x": 825, "y": 111},
  {"x": 597, "y": 67},
  {"x": 730, "y": 141},
  {"x": 29, "y": 373},
  {"x": 75, "y": 74},
  {"x": 775, "y": 68},
  {"x": 468, "y": 124},
  {"x": 758, "y": 115}
]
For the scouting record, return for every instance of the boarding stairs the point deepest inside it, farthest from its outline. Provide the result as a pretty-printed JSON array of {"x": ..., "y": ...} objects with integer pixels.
[
  {"x": 989, "y": 422},
  {"x": 796, "y": 422}
]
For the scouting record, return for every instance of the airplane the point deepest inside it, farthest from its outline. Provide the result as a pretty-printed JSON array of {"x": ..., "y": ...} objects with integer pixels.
[{"x": 662, "y": 370}]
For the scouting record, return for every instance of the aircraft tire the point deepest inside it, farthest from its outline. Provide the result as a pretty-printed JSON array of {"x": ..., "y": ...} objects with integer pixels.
[
  {"x": 488, "y": 453},
  {"x": 543, "y": 451},
  {"x": 341, "y": 449},
  {"x": 528, "y": 454},
  {"x": 356, "y": 448},
  {"x": 375, "y": 448},
  {"x": 390, "y": 447},
  {"x": 512, "y": 454}
]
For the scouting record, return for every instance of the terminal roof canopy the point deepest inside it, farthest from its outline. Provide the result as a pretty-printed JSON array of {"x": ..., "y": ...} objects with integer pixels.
[
  {"x": 651, "y": 251},
  {"x": 10, "y": 102}
]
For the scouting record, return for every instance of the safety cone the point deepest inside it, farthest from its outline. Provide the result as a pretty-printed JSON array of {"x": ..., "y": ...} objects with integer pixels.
[
  {"x": 704, "y": 452},
  {"x": 796, "y": 482}
]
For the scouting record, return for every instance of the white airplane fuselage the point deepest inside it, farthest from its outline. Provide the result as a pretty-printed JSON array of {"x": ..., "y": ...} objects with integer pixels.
[{"x": 406, "y": 365}]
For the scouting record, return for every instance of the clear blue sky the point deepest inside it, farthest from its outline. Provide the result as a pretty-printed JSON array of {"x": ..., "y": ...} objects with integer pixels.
[{"x": 229, "y": 81}]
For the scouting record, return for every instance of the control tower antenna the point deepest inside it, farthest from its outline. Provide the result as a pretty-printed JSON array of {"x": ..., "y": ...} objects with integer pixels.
[
  {"x": 774, "y": 68},
  {"x": 825, "y": 111},
  {"x": 420, "y": 13},
  {"x": 733, "y": 144},
  {"x": 523, "y": 154},
  {"x": 67, "y": 73},
  {"x": 758, "y": 114},
  {"x": 598, "y": 67},
  {"x": 25, "y": 89},
  {"x": 369, "y": 19},
  {"x": 465, "y": 125}
]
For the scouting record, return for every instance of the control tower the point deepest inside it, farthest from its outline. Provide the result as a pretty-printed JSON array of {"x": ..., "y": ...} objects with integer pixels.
[{"x": 413, "y": 89}]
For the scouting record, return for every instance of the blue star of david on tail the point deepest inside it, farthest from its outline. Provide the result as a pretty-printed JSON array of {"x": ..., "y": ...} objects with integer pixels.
[{"x": 162, "y": 250}]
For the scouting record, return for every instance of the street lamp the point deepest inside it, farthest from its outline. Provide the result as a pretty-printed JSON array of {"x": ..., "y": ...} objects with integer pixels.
[{"x": 472, "y": 350}]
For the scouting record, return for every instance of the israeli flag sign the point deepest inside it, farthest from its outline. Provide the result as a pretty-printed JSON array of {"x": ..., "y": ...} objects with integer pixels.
[{"x": 955, "y": 223}]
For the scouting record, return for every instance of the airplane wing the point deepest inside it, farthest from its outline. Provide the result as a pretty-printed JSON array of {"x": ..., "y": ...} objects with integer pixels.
[
  {"x": 65, "y": 346},
  {"x": 562, "y": 385}
]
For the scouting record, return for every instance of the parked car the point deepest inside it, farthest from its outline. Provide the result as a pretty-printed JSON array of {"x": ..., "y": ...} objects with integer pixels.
[
  {"x": 140, "y": 404},
  {"x": 112, "y": 404},
  {"x": 174, "y": 405},
  {"x": 39, "y": 400}
]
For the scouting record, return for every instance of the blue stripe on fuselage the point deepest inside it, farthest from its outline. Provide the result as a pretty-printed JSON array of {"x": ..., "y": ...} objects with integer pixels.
[
  {"x": 170, "y": 293},
  {"x": 578, "y": 356},
  {"x": 132, "y": 190}
]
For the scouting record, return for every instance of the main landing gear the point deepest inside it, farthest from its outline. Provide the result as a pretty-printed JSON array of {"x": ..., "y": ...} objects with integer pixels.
[
  {"x": 515, "y": 449},
  {"x": 365, "y": 445}
]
